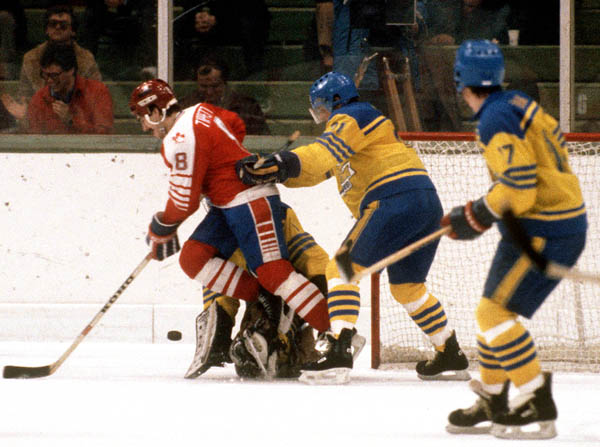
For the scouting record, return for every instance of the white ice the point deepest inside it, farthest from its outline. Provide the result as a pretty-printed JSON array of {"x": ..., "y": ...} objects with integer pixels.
[
  {"x": 130, "y": 395},
  {"x": 74, "y": 227}
]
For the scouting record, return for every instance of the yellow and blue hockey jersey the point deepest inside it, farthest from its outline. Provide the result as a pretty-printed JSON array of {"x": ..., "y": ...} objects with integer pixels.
[
  {"x": 527, "y": 156},
  {"x": 360, "y": 148}
]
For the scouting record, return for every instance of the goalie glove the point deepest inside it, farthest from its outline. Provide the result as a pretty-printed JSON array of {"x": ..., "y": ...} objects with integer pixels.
[
  {"x": 162, "y": 238},
  {"x": 274, "y": 168},
  {"x": 469, "y": 221}
]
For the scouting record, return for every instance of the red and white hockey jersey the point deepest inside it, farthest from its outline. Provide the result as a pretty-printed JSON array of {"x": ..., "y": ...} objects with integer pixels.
[{"x": 201, "y": 152}]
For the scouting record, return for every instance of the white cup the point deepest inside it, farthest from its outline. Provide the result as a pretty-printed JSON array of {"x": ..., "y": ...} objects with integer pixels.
[{"x": 513, "y": 37}]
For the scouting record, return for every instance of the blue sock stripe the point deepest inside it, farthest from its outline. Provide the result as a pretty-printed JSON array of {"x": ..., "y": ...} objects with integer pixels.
[
  {"x": 517, "y": 353},
  {"x": 489, "y": 365},
  {"x": 343, "y": 293},
  {"x": 511, "y": 344},
  {"x": 337, "y": 303},
  {"x": 337, "y": 313},
  {"x": 435, "y": 328},
  {"x": 433, "y": 318},
  {"x": 521, "y": 363},
  {"x": 427, "y": 311}
]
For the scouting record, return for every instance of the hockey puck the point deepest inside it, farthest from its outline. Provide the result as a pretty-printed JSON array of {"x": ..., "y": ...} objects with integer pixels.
[{"x": 174, "y": 335}]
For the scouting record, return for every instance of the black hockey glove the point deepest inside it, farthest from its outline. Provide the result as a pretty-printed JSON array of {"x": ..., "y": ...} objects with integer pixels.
[
  {"x": 469, "y": 221},
  {"x": 162, "y": 238},
  {"x": 274, "y": 168}
]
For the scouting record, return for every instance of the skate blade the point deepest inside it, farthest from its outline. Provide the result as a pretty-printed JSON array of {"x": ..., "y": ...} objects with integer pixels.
[
  {"x": 334, "y": 376},
  {"x": 474, "y": 430},
  {"x": 448, "y": 376},
  {"x": 545, "y": 430},
  {"x": 358, "y": 343}
]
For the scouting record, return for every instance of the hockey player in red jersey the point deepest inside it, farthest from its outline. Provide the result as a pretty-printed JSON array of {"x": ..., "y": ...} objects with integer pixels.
[{"x": 201, "y": 149}]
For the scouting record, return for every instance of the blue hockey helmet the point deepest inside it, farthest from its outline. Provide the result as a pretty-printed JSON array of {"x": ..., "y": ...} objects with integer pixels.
[
  {"x": 324, "y": 90},
  {"x": 479, "y": 63}
]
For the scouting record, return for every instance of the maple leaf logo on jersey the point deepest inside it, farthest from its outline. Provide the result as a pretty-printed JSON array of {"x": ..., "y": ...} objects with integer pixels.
[{"x": 179, "y": 137}]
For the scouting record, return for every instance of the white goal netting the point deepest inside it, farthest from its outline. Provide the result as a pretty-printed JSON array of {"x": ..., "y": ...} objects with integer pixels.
[{"x": 566, "y": 329}]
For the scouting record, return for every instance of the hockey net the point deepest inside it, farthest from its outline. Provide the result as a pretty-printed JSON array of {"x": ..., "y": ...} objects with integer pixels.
[{"x": 566, "y": 329}]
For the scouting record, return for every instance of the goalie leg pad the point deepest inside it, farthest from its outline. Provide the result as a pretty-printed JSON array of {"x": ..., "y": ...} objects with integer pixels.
[{"x": 213, "y": 337}]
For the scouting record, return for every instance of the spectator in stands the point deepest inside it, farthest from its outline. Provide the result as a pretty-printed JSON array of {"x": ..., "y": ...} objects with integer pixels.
[
  {"x": 69, "y": 103},
  {"x": 205, "y": 25},
  {"x": 13, "y": 36},
  {"x": 351, "y": 33},
  {"x": 450, "y": 22},
  {"x": 8, "y": 123},
  {"x": 60, "y": 28},
  {"x": 129, "y": 28},
  {"x": 212, "y": 88},
  {"x": 318, "y": 44},
  {"x": 352, "y": 27}
]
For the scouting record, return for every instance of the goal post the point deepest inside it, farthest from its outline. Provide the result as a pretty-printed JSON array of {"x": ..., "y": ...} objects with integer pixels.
[{"x": 566, "y": 329}]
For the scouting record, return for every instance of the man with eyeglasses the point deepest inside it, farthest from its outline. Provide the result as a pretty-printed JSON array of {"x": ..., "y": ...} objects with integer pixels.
[
  {"x": 69, "y": 103},
  {"x": 60, "y": 29}
]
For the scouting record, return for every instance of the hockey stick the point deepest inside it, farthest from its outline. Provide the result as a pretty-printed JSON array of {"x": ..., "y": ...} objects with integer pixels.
[
  {"x": 547, "y": 267},
  {"x": 391, "y": 95},
  {"x": 362, "y": 69},
  {"x": 409, "y": 96},
  {"x": 33, "y": 372},
  {"x": 291, "y": 139},
  {"x": 344, "y": 263}
]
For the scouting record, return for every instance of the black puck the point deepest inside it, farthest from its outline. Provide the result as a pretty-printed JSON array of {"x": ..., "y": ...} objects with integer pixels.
[{"x": 174, "y": 335}]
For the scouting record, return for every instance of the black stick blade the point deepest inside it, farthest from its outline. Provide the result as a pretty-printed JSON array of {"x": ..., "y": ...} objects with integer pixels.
[
  {"x": 25, "y": 372},
  {"x": 343, "y": 261}
]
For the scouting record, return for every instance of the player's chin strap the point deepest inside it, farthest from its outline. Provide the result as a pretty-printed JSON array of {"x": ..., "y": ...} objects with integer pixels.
[
  {"x": 163, "y": 113},
  {"x": 156, "y": 123}
]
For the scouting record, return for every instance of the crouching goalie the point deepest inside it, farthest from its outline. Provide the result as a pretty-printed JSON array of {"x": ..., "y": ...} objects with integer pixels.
[{"x": 273, "y": 341}]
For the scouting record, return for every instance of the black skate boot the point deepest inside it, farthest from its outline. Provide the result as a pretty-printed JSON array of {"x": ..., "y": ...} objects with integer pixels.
[
  {"x": 336, "y": 361},
  {"x": 532, "y": 410},
  {"x": 213, "y": 338},
  {"x": 452, "y": 361},
  {"x": 467, "y": 420}
]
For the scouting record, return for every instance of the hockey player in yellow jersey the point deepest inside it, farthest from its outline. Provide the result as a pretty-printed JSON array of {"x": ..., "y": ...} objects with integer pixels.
[
  {"x": 527, "y": 158},
  {"x": 387, "y": 189}
]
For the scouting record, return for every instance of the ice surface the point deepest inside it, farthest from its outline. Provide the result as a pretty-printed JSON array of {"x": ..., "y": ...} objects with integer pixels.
[{"x": 130, "y": 395}]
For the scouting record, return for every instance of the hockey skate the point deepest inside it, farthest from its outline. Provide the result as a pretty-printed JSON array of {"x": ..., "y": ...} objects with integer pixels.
[
  {"x": 468, "y": 420},
  {"x": 337, "y": 359},
  {"x": 451, "y": 364},
  {"x": 213, "y": 338},
  {"x": 530, "y": 416}
]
